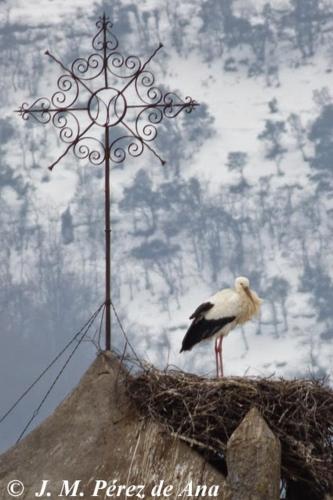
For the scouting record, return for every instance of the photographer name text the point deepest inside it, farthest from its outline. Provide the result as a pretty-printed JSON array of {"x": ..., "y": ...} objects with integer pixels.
[{"x": 111, "y": 489}]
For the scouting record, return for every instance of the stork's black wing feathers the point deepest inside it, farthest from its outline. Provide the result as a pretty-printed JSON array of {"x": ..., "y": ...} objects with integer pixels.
[
  {"x": 201, "y": 309},
  {"x": 201, "y": 329}
]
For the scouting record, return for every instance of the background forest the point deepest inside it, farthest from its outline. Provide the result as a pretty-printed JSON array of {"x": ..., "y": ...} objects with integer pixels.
[{"x": 246, "y": 190}]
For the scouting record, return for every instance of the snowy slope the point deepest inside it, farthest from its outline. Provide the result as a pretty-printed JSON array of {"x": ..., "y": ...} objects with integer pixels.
[{"x": 184, "y": 230}]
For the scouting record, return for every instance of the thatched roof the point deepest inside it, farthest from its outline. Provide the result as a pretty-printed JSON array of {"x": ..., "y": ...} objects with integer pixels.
[
  {"x": 136, "y": 429},
  {"x": 96, "y": 433}
]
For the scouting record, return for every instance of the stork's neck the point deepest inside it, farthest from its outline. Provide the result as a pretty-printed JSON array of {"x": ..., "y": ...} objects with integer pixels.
[{"x": 250, "y": 304}]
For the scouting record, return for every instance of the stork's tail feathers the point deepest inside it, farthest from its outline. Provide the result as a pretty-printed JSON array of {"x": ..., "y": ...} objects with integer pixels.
[{"x": 186, "y": 344}]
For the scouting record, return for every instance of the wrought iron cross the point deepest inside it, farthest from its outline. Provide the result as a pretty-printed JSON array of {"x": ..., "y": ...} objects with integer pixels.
[{"x": 106, "y": 106}]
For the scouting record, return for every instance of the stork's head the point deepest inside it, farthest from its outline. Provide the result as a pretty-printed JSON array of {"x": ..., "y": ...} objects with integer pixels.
[
  {"x": 250, "y": 299},
  {"x": 242, "y": 283}
]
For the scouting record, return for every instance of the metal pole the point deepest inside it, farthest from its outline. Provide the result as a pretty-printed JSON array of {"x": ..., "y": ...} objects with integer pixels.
[
  {"x": 107, "y": 207},
  {"x": 107, "y": 245}
]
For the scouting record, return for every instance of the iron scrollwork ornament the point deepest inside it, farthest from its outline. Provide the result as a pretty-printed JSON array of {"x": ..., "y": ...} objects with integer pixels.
[{"x": 79, "y": 112}]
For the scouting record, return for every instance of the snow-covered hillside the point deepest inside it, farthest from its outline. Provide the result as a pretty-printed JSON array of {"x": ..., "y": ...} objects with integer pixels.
[{"x": 246, "y": 190}]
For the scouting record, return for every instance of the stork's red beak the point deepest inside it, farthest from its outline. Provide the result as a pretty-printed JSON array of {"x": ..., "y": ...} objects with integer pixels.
[{"x": 248, "y": 293}]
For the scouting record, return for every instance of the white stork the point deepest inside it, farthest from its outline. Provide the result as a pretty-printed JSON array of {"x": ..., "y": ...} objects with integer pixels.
[{"x": 220, "y": 314}]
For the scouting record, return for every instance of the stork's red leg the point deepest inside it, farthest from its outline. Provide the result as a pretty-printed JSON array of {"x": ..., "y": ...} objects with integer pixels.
[
  {"x": 219, "y": 354},
  {"x": 217, "y": 357}
]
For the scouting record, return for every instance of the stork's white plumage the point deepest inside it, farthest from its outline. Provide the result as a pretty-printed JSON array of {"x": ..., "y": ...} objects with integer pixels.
[{"x": 220, "y": 314}]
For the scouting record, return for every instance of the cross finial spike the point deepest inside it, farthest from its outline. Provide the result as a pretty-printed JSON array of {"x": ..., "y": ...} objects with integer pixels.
[{"x": 105, "y": 20}]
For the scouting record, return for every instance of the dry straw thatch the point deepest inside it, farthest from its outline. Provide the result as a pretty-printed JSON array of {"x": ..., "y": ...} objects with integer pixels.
[{"x": 205, "y": 412}]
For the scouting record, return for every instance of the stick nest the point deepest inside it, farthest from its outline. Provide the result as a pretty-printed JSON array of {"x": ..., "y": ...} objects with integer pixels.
[{"x": 205, "y": 412}]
